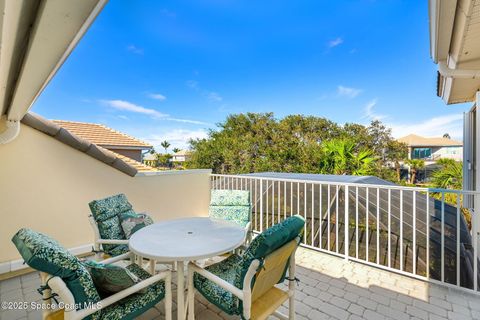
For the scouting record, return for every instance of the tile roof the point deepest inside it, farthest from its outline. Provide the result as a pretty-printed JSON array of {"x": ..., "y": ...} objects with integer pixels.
[
  {"x": 413, "y": 140},
  {"x": 113, "y": 159},
  {"x": 102, "y": 135}
]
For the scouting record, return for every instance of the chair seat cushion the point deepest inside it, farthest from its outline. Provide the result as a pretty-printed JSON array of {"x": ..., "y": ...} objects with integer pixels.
[
  {"x": 137, "y": 303},
  {"x": 115, "y": 249},
  {"x": 239, "y": 214},
  {"x": 44, "y": 254},
  {"x": 131, "y": 222},
  {"x": 226, "y": 270},
  {"x": 110, "y": 278}
]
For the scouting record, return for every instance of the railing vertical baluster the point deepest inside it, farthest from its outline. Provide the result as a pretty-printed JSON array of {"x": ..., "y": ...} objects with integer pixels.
[
  {"x": 278, "y": 202},
  {"x": 298, "y": 197},
  {"x": 320, "y": 213},
  {"x": 261, "y": 205},
  {"x": 389, "y": 230},
  {"x": 273, "y": 202},
  {"x": 457, "y": 242},
  {"x": 414, "y": 232},
  {"x": 378, "y": 225},
  {"x": 305, "y": 211},
  {"x": 366, "y": 223},
  {"x": 336, "y": 218},
  {"x": 267, "y": 216},
  {"x": 313, "y": 214},
  {"x": 427, "y": 258},
  {"x": 401, "y": 230},
  {"x": 346, "y": 223},
  {"x": 291, "y": 199},
  {"x": 443, "y": 239},
  {"x": 356, "y": 222},
  {"x": 284, "y": 199},
  {"x": 328, "y": 216},
  {"x": 254, "y": 191}
]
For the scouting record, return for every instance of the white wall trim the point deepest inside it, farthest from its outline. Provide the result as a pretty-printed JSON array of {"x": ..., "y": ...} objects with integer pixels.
[
  {"x": 173, "y": 172},
  {"x": 15, "y": 265}
]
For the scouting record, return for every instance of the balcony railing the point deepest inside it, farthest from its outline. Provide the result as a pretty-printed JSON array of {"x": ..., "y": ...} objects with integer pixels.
[{"x": 419, "y": 232}]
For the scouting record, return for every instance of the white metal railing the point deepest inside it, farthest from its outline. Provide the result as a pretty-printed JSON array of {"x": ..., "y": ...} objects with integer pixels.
[{"x": 419, "y": 232}]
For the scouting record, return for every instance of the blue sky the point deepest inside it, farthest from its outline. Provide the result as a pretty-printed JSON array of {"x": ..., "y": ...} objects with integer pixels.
[{"x": 172, "y": 69}]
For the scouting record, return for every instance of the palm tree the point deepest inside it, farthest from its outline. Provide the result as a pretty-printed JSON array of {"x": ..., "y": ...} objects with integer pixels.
[
  {"x": 415, "y": 165},
  {"x": 175, "y": 150},
  {"x": 446, "y": 135},
  {"x": 449, "y": 175},
  {"x": 165, "y": 144},
  {"x": 340, "y": 157}
]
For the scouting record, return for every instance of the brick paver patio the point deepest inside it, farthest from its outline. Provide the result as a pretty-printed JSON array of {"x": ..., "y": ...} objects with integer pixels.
[{"x": 329, "y": 288}]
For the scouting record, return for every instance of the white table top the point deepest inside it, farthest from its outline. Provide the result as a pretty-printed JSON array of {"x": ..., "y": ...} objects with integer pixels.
[{"x": 186, "y": 239}]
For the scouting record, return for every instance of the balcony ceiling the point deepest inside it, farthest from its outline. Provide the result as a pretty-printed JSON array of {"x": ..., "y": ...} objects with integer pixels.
[
  {"x": 35, "y": 39},
  {"x": 455, "y": 39}
]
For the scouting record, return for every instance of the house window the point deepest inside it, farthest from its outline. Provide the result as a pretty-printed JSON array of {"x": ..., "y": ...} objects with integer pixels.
[{"x": 422, "y": 153}]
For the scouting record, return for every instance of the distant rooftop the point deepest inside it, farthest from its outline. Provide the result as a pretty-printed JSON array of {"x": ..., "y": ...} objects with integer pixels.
[
  {"x": 413, "y": 140},
  {"x": 102, "y": 135}
]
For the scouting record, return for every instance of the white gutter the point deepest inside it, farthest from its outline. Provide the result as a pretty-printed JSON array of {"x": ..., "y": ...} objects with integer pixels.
[{"x": 457, "y": 73}]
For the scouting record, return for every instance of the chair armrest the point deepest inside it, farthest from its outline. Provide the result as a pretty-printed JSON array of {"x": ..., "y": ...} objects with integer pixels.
[
  {"x": 167, "y": 275},
  {"x": 112, "y": 241},
  {"x": 128, "y": 255},
  {"x": 222, "y": 283}
]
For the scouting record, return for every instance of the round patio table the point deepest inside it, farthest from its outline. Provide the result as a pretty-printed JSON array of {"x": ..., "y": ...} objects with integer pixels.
[{"x": 184, "y": 240}]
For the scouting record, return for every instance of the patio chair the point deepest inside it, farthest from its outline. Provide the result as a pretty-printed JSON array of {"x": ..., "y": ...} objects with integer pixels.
[
  {"x": 245, "y": 284},
  {"x": 232, "y": 205},
  {"x": 105, "y": 221},
  {"x": 66, "y": 277}
]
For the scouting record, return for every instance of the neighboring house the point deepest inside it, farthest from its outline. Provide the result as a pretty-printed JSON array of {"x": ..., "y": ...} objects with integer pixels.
[
  {"x": 181, "y": 156},
  {"x": 432, "y": 149},
  {"x": 150, "y": 159},
  {"x": 107, "y": 138}
]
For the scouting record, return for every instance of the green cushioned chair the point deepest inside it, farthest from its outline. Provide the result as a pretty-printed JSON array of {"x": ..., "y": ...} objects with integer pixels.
[
  {"x": 245, "y": 284},
  {"x": 106, "y": 223},
  {"x": 232, "y": 205},
  {"x": 65, "y": 276}
]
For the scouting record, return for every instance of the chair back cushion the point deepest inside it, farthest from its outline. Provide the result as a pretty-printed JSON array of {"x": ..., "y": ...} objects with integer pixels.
[
  {"x": 230, "y": 198},
  {"x": 231, "y": 205},
  {"x": 44, "y": 254},
  {"x": 269, "y": 241},
  {"x": 106, "y": 213},
  {"x": 110, "y": 278}
]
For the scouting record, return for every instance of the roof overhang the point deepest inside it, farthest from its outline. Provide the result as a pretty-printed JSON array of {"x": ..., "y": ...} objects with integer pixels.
[
  {"x": 455, "y": 46},
  {"x": 36, "y": 37}
]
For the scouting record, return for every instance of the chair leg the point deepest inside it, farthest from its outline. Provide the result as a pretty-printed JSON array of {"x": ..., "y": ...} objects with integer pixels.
[
  {"x": 291, "y": 288},
  {"x": 190, "y": 296},
  {"x": 152, "y": 267},
  {"x": 168, "y": 297}
]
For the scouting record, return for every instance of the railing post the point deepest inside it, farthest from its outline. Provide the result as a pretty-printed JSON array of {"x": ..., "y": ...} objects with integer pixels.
[
  {"x": 261, "y": 205},
  {"x": 346, "y": 223}
]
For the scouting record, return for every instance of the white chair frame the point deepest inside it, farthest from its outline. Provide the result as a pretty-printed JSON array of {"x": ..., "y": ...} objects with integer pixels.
[
  {"x": 244, "y": 294},
  {"x": 97, "y": 245},
  {"x": 58, "y": 286}
]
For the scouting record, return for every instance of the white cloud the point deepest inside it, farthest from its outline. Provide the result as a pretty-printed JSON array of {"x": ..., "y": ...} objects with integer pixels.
[
  {"x": 178, "y": 138},
  {"x": 192, "y": 84},
  {"x": 348, "y": 92},
  {"x": 135, "y": 49},
  {"x": 213, "y": 96},
  {"x": 128, "y": 106},
  {"x": 157, "y": 96},
  {"x": 335, "y": 42},
  {"x": 370, "y": 114},
  {"x": 433, "y": 127},
  {"x": 154, "y": 114},
  {"x": 123, "y": 117}
]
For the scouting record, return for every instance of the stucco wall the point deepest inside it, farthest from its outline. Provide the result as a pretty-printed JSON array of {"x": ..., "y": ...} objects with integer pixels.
[
  {"x": 132, "y": 154},
  {"x": 46, "y": 185}
]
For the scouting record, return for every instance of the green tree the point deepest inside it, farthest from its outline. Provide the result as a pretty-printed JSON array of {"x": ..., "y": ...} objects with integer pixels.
[
  {"x": 340, "y": 157},
  {"x": 165, "y": 144},
  {"x": 175, "y": 150},
  {"x": 415, "y": 165},
  {"x": 449, "y": 175}
]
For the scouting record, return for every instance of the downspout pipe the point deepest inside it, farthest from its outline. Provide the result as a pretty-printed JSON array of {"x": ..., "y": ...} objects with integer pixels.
[{"x": 457, "y": 73}]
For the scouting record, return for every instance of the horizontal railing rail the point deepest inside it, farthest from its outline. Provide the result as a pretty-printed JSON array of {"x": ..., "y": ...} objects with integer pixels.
[{"x": 420, "y": 232}]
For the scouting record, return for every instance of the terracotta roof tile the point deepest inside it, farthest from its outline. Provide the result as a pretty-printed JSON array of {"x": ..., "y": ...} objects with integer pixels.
[
  {"x": 101, "y": 135},
  {"x": 414, "y": 140}
]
